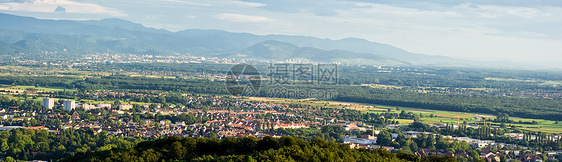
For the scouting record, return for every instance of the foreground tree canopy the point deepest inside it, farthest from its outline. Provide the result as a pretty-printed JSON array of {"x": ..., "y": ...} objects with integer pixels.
[{"x": 245, "y": 149}]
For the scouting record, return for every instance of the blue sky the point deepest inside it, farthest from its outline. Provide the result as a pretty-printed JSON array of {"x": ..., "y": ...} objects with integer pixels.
[{"x": 521, "y": 30}]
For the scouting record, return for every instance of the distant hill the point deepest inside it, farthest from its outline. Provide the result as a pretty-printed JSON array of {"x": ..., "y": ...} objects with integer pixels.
[
  {"x": 348, "y": 44},
  {"x": 117, "y": 35},
  {"x": 124, "y": 24},
  {"x": 276, "y": 50},
  {"x": 38, "y": 43},
  {"x": 8, "y": 48}
]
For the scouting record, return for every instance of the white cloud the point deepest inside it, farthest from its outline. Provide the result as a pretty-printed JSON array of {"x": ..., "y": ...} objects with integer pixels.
[
  {"x": 49, "y": 6},
  {"x": 495, "y": 11},
  {"x": 217, "y": 3},
  {"x": 241, "y": 18},
  {"x": 189, "y": 2},
  {"x": 249, "y": 4}
]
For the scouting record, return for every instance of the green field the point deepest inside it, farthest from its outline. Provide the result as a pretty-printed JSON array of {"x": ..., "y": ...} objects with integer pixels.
[
  {"x": 451, "y": 117},
  {"x": 439, "y": 116},
  {"x": 542, "y": 82},
  {"x": 39, "y": 88}
]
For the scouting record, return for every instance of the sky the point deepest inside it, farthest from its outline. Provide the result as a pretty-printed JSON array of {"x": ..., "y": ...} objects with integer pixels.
[{"x": 511, "y": 30}]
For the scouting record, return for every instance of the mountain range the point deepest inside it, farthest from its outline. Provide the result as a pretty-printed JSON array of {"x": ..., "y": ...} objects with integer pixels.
[{"x": 31, "y": 36}]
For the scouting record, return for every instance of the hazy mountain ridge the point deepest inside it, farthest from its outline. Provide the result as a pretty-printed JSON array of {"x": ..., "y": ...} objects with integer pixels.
[
  {"x": 124, "y": 24},
  {"x": 116, "y": 35},
  {"x": 8, "y": 48},
  {"x": 277, "y": 50}
]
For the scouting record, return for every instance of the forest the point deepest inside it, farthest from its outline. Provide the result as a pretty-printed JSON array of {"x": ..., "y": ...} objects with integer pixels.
[
  {"x": 246, "y": 149},
  {"x": 29, "y": 144}
]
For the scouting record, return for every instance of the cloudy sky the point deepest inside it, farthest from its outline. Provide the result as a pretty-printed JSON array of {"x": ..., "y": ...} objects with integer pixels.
[{"x": 522, "y": 30}]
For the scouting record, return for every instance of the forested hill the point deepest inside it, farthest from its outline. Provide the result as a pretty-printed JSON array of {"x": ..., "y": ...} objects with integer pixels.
[
  {"x": 245, "y": 149},
  {"x": 34, "y": 38}
]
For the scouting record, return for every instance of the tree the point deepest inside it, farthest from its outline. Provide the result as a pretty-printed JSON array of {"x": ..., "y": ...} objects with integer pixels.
[
  {"x": 502, "y": 125},
  {"x": 383, "y": 138},
  {"x": 503, "y": 117},
  {"x": 430, "y": 141},
  {"x": 9, "y": 159},
  {"x": 150, "y": 155},
  {"x": 177, "y": 150},
  {"x": 401, "y": 139},
  {"x": 162, "y": 99},
  {"x": 4, "y": 146},
  {"x": 402, "y": 113},
  {"x": 117, "y": 103},
  {"x": 267, "y": 142},
  {"x": 503, "y": 158},
  {"x": 407, "y": 149}
]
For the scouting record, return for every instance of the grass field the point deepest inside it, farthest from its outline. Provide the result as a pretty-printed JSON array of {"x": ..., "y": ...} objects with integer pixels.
[
  {"x": 308, "y": 102},
  {"x": 542, "y": 82},
  {"x": 52, "y": 71},
  {"x": 44, "y": 89},
  {"x": 550, "y": 82},
  {"x": 508, "y": 79}
]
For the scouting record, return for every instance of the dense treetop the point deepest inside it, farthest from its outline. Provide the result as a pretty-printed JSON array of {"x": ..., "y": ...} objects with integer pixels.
[{"x": 246, "y": 149}]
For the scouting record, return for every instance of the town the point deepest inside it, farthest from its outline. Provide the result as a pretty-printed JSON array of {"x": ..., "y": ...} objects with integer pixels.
[
  {"x": 247, "y": 81},
  {"x": 226, "y": 116}
]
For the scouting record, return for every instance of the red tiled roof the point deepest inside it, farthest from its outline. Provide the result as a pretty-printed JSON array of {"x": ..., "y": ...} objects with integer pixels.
[{"x": 38, "y": 127}]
